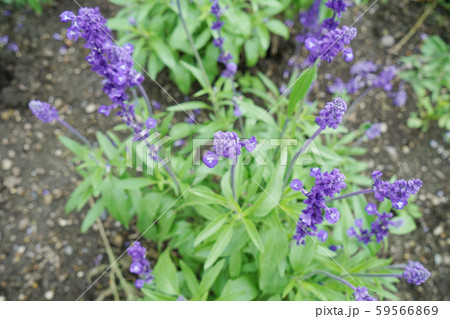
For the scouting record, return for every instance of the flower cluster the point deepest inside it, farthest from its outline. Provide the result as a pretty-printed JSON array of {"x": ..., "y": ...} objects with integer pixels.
[
  {"x": 327, "y": 184},
  {"x": 415, "y": 273},
  {"x": 139, "y": 265},
  {"x": 367, "y": 74},
  {"x": 112, "y": 62},
  {"x": 362, "y": 294},
  {"x": 115, "y": 64},
  {"x": 225, "y": 57},
  {"x": 43, "y": 111},
  {"x": 310, "y": 21},
  {"x": 330, "y": 40},
  {"x": 374, "y": 131},
  {"x": 332, "y": 114},
  {"x": 397, "y": 192},
  {"x": 378, "y": 229},
  {"x": 228, "y": 145}
]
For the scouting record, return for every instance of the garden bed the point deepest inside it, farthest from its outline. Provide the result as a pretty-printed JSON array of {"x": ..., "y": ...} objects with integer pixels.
[{"x": 42, "y": 253}]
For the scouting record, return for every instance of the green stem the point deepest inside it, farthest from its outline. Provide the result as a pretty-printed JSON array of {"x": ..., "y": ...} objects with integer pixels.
[
  {"x": 362, "y": 191},
  {"x": 343, "y": 281},
  {"x": 232, "y": 180},
  {"x": 147, "y": 100},
  {"x": 74, "y": 132},
  {"x": 378, "y": 275},
  {"x": 304, "y": 147}
]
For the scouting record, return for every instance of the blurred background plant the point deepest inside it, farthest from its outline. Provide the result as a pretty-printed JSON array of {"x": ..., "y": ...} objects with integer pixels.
[
  {"x": 35, "y": 5},
  {"x": 428, "y": 73}
]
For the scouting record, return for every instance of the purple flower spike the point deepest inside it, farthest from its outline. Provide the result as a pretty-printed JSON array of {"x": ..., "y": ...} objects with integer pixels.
[
  {"x": 331, "y": 116},
  {"x": 151, "y": 123},
  {"x": 327, "y": 184},
  {"x": 374, "y": 131},
  {"x": 322, "y": 235},
  {"x": 139, "y": 265},
  {"x": 210, "y": 159},
  {"x": 397, "y": 192},
  {"x": 415, "y": 273},
  {"x": 296, "y": 185},
  {"x": 43, "y": 111},
  {"x": 362, "y": 294},
  {"x": 67, "y": 16},
  {"x": 230, "y": 70},
  {"x": 332, "y": 215},
  {"x": 338, "y": 6},
  {"x": 228, "y": 145}
]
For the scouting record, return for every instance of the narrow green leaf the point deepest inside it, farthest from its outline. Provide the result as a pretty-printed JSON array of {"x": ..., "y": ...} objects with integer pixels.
[
  {"x": 188, "y": 106},
  {"x": 219, "y": 246},
  {"x": 211, "y": 229},
  {"x": 210, "y": 276},
  {"x": 300, "y": 88},
  {"x": 190, "y": 278},
  {"x": 166, "y": 275},
  {"x": 93, "y": 213},
  {"x": 164, "y": 53},
  {"x": 253, "y": 234}
]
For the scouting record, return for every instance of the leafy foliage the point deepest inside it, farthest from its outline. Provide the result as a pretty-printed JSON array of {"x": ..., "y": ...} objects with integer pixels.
[{"x": 429, "y": 75}]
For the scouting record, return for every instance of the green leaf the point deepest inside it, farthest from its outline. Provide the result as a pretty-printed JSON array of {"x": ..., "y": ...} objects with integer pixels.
[
  {"x": 251, "y": 110},
  {"x": 300, "y": 88},
  {"x": 134, "y": 182},
  {"x": 251, "y": 48},
  {"x": 219, "y": 246},
  {"x": 196, "y": 72},
  {"x": 270, "y": 197},
  {"x": 211, "y": 229},
  {"x": 188, "y": 106},
  {"x": 278, "y": 27},
  {"x": 79, "y": 194},
  {"x": 106, "y": 146},
  {"x": 242, "y": 289},
  {"x": 407, "y": 226},
  {"x": 164, "y": 53},
  {"x": 165, "y": 274},
  {"x": 275, "y": 251},
  {"x": 190, "y": 278},
  {"x": 93, "y": 213},
  {"x": 210, "y": 276},
  {"x": 253, "y": 234},
  {"x": 72, "y": 145}
]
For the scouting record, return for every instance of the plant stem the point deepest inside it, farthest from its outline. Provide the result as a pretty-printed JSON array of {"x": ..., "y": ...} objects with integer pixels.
[
  {"x": 343, "y": 281},
  {"x": 147, "y": 100},
  {"x": 74, "y": 131},
  {"x": 296, "y": 156},
  {"x": 397, "y": 266},
  {"x": 191, "y": 41},
  {"x": 232, "y": 182},
  {"x": 355, "y": 103},
  {"x": 378, "y": 275},
  {"x": 112, "y": 259},
  {"x": 362, "y": 191}
]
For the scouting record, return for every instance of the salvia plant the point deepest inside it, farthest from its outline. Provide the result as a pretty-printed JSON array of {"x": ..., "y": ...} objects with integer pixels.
[{"x": 243, "y": 202}]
